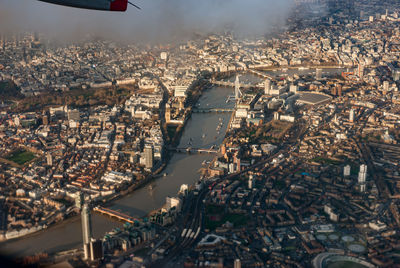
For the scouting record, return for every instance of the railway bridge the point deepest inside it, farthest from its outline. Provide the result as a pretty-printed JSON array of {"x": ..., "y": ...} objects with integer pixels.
[{"x": 115, "y": 214}]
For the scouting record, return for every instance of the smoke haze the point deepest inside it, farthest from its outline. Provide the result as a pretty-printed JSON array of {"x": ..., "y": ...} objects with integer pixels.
[{"x": 158, "y": 19}]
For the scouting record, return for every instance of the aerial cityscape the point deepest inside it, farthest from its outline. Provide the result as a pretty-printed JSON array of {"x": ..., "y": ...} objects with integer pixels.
[{"x": 221, "y": 149}]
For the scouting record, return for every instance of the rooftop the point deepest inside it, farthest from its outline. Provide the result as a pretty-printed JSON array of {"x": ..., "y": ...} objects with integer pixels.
[{"x": 313, "y": 98}]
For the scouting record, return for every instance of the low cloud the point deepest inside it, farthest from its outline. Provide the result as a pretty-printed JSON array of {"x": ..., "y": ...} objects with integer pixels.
[{"x": 158, "y": 19}]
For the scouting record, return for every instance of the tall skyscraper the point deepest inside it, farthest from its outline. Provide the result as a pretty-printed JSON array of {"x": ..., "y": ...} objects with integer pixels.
[
  {"x": 363, "y": 173},
  {"x": 86, "y": 230},
  {"x": 267, "y": 87},
  {"x": 237, "y": 88},
  {"x": 149, "y": 156},
  {"x": 362, "y": 177}
]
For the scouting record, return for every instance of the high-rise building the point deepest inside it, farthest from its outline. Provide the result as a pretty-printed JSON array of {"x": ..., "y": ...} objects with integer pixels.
[
  {"x": 86, "y": 251},
  {"x": 267, "y": 87},
  {"x": 237, "y": 88},
  {"x": 293, "y": 88},
  {"x": 79, "y": 200},
  {"x": 86, "y": 230},
  {"x": 339, "y": 90},
  {"x": 351, "y": 115},
  {"x": 49, "y": 159},
  {"x": 363, "y": 187},
  {"x": 149, "y": 156},
  {"x": 237, "y": 264},
  {"x": 386, "y": 86},
  {"x": 173, "y": 202},
  {"x": 96, "y": 250},
  {"x": 276, "y": 116},
  {"x": 164, "y": 55},
  {"x": 251, "y": 182},
  {"x": 362, "y": 175},
  {"x": 347, "y": 171}
]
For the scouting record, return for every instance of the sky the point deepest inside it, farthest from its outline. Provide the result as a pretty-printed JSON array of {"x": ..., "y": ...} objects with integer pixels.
[{"x": 158, "y": 19}]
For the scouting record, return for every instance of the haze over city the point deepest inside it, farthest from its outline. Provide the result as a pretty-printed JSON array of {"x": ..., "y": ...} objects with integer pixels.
[
  {"x": 158, "y": 19},
  {"x": 218, "y": 133}
]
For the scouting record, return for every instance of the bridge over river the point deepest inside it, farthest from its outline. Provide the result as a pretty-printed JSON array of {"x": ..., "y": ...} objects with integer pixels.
[
  {"x": 192, "y": 150},
  {"x": 212, "y": 110},
  {"x": 232, "y": 84},
  {"x": 115, "y": 214}
]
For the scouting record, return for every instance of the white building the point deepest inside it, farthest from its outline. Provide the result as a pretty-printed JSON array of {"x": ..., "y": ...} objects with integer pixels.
[
  {"x": 362, "y": 175},
  {"x": 180, "y": 91},
  {"x": 164, "y": 55},
  {"x": 293, "y": 89},
  {"x": 351, "y": 115},
  {"x": 251, "y": 182},
  {"x": 173, "y": 202},
  {"x": 267, "y": 86},
  {"x": 377, "y": 226},
  {"x": 347, "y": 171},
  {"x": 241, "y": 113}
]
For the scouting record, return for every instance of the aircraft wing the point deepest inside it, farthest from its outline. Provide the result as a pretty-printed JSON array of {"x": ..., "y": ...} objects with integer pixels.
[{"x": 106, "y": 5}]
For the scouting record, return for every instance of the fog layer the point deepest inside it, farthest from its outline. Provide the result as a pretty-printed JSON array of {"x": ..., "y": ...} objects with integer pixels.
[{"x": 158, "y": 19}]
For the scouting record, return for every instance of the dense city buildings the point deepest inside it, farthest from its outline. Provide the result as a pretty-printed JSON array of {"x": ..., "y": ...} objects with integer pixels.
[{"x": 220, "y": 151}]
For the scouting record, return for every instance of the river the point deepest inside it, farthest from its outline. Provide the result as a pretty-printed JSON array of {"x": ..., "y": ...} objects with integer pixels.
[{"x": 182, "y": 169}]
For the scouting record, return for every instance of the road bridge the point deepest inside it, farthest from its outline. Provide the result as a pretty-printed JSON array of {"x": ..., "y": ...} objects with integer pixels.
[
  {"x": 260, "y": 74},
  {"x": 212, "y": 110},
  {"x": 192, "y": 150},
  {"x": 232, "y": 84}
]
